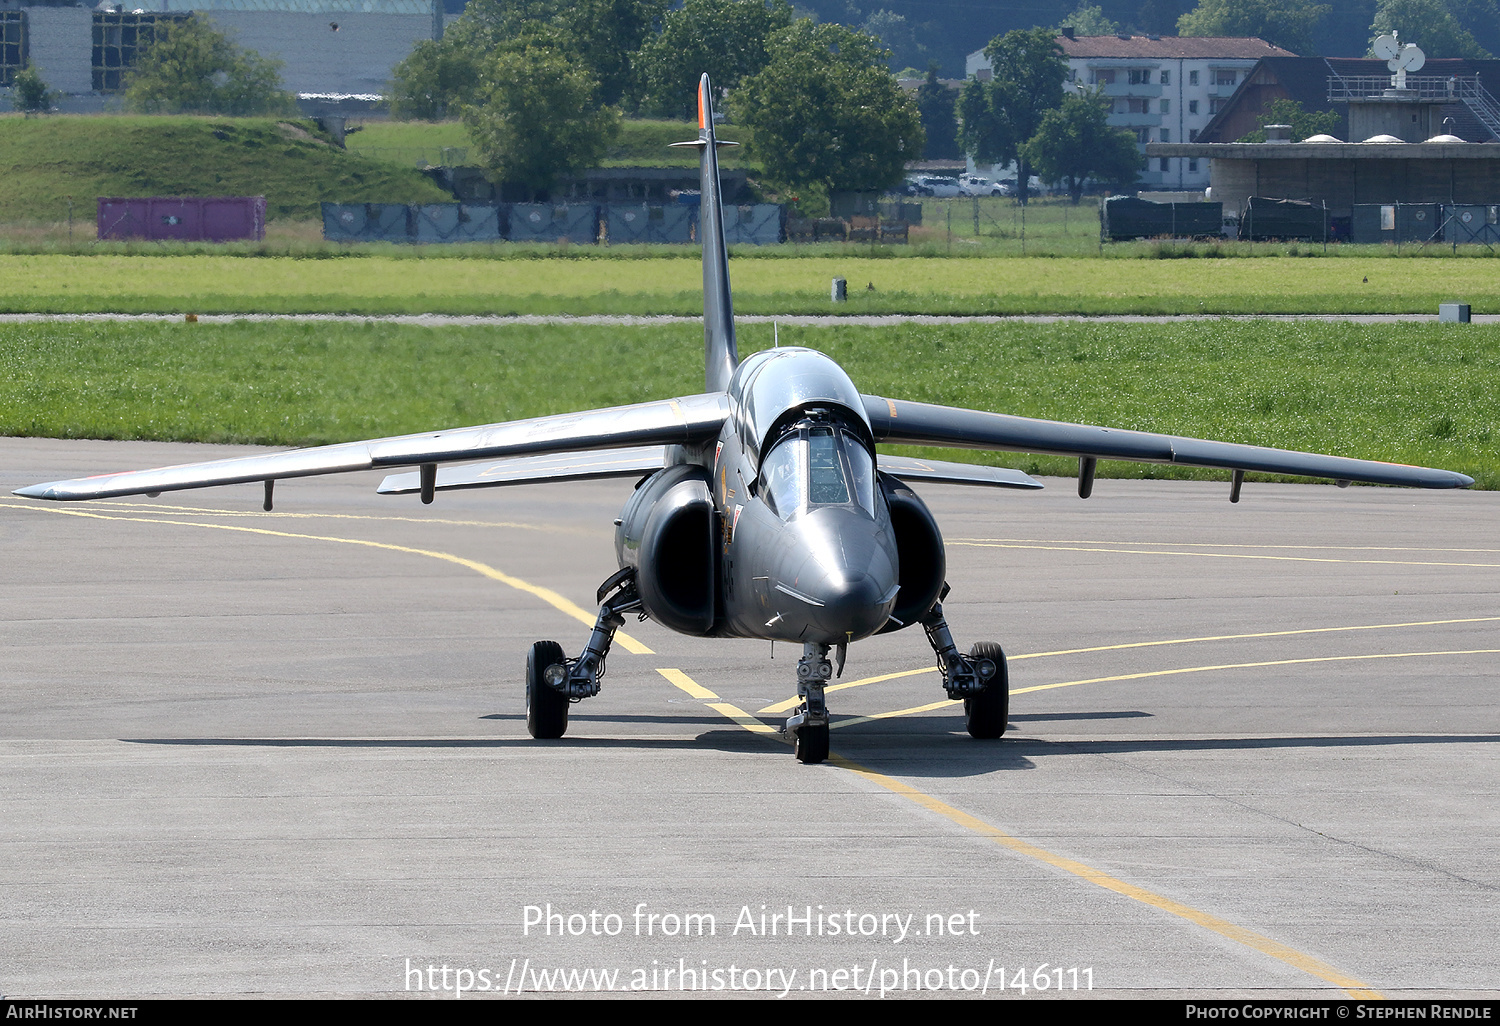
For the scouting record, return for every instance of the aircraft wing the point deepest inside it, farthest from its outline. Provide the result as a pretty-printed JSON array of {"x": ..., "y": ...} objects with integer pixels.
[
  {"x": 900, "y": 422},
  {"x": 604, "y": 463},
  {"x": 570, "y": 466},
  {"x": 663, "y": 422},
  {"x": 907, "y": 468}
]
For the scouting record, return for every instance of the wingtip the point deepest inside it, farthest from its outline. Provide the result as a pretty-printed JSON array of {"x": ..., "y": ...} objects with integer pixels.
[{"x": 40, "y": 491}]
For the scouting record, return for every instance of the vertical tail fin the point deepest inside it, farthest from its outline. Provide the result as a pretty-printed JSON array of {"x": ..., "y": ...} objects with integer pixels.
[{"x": 720, "y": 354}]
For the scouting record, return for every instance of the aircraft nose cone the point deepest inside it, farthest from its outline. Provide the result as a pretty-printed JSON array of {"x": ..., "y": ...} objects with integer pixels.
[
  {"x": 856, "y": 604},
  {"x": 845, "y": 587}
]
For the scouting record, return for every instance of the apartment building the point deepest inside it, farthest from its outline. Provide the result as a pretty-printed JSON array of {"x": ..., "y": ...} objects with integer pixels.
[{"x": 1164, "y": 89}]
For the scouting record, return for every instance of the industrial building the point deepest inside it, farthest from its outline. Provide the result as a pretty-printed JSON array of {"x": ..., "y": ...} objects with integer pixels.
[
  {"x": 328, "y": 48},
  {"x": 1402, "y": 155},
  {"x": 1163, "y": 89},
  {"x": 1331, "y": 83}
]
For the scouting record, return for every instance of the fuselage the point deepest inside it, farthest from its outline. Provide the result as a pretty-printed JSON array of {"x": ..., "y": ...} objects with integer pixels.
[{"x": 807, "y": 552}]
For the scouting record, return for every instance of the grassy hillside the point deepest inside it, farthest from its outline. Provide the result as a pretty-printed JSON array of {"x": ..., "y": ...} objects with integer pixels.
[
  {"x": 43, "y": 161},
  {"x": 641, "y": 143}
]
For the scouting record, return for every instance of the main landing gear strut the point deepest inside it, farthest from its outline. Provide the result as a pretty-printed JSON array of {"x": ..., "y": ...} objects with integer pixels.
[
  {"x": 554, "y": 682},
  {"x": 979, "y": 679}
]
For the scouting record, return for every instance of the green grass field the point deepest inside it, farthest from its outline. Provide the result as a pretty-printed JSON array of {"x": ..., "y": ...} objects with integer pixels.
[
  {"x": 768, "y": 281},
  {"x": 1411, "y": 393}
]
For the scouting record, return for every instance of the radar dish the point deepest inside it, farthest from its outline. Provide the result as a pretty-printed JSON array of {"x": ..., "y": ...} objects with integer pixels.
[
  {"x": 1386, "y": 47},
  {"x": 1411, "y": 58}
]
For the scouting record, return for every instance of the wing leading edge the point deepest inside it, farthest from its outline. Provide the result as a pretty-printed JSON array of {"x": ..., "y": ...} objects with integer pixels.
[
  {"x": 605, "y": 463},
  {"x": 681, "y": 421},
  {"x": 900, "y": 422}
]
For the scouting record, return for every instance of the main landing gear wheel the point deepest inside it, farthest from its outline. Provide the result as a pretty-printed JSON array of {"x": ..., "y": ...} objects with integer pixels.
[
  {"x": 546, "y": 708},
  {"x": 811, "y": 745},
  {"x": 987, "y": 714}
]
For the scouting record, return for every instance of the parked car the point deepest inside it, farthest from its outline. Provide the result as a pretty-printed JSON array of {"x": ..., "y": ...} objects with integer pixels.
[
  {"x": 936, "y": 185},
  {"x": 1034, "y": 187},
  {"x": 978, "y": 185}
]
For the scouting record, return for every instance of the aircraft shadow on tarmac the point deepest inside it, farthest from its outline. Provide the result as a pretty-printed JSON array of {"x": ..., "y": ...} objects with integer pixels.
[
  {"x": 1213, "y": 744},
  {"x": 731, "y": 739},
  {"x": 927, "y": 749},
  {"x": 1124, "y": 714}
]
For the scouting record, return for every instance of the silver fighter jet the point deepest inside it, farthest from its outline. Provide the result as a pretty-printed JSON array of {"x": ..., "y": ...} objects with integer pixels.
[{"x": 763, "y": 509}]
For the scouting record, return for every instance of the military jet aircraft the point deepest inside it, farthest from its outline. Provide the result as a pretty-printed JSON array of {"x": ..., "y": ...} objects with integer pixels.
[{"x": 763, "y": 510}]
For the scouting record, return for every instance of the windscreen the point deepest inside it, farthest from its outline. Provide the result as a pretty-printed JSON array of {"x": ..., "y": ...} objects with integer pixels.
[{"x": 818, "y": 465}]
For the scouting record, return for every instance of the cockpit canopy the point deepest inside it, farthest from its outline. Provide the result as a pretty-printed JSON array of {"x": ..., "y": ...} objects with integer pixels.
[
  {"x": 775, "y": 384},
  {"x": 818, "y": 461}
]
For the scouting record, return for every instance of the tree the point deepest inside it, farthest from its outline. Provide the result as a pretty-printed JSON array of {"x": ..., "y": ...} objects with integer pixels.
[
  {"x": 1159, "y": 17},
  {"x": 726, "y": 38},
  {"x": 826, "y": 110},
  {"x": 1303, "y": 122},
  {"x": 938, "y": 106},
  {"x": 1000, "y": 115},
  {"x": 1075, "y": 142},
  {"x": 608, "y": 35},
  {"x": 191, "y": 68},
  {"x": 535, "y": 115},
  {"x": 1481, "y": 18},
  {"x": 895, "y": 34},
  {"x": 29, "y": 93},
  {"x": 1089, "y": 20},
  {"x": 1429, "y": 24},
  {"x": 439, "y": 77},
  {"x": 1289, "y": 24}
]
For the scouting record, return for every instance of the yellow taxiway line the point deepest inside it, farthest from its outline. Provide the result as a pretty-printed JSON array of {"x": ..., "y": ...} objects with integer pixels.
[
  {"x": 547, "y": 595},
  {"x": 1258, "y": 942}
]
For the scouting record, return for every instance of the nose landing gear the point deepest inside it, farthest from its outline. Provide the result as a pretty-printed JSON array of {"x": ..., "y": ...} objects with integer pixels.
[{"x": 807, "y": 728}]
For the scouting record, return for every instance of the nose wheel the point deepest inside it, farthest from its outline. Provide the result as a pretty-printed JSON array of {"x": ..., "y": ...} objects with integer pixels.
[
  {"x": 807, "y": 729},
  {"x": 810, "y": 743}
]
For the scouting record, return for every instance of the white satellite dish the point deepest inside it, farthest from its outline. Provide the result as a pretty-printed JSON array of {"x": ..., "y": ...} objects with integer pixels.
[{"x": 1400, "y": 59}]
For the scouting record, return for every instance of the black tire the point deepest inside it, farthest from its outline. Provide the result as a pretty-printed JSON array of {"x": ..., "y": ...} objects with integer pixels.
[
  {"x": 812, "y": 744},
  {"x": 546, "y": 708},
  {"x": 987, "y": 714}
]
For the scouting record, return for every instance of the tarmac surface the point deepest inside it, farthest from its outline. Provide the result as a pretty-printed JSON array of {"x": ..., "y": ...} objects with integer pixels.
[{"x": 1253, "y": 753}]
